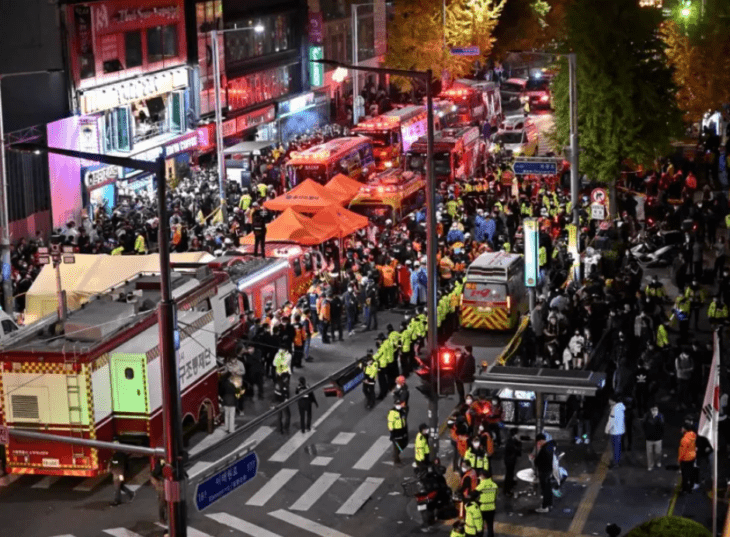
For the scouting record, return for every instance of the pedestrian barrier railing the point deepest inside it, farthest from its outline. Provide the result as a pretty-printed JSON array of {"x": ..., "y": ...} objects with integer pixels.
[{"x": 515, "y": 344}]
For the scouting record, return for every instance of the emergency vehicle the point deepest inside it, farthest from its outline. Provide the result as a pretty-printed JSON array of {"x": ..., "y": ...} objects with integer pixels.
[
  {"x": 518, "y": 136},
  {"x": 494, "y": 293},
  {"x": 459, "y": 153},
  {"x": 391, "y": 195},
  {"x": 351, "y": 156},
  {"x": 98, "y": 376},
  {"x": 445, "y": 114},
  {"x": 393, "y": 133},
  {"x": 490, "y": 95},
  {"x": 470, "y": 108}
]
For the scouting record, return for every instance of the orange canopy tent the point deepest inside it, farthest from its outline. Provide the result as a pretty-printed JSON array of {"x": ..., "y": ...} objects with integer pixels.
[
  {"x": 343, "y": 220},
  {"x": 292, "y": 226},
  {"x": 343, "y": 187},
  {"x": 306, "y": 197}
]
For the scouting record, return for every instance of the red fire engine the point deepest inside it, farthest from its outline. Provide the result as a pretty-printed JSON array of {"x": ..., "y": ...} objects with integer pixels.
[{"x": 459, "y": 153}]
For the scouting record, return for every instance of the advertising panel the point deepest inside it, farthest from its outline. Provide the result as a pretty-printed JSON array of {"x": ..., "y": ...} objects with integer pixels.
[{"x": 532, "y": 266}]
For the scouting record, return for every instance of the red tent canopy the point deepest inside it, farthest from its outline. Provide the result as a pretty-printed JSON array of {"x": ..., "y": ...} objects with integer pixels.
[
  {"x": 306, "y": 197},
  {"x": 291, "y": 226},
  {"x": 343, "y": 187},
  {"x": 344, "y": 221}
]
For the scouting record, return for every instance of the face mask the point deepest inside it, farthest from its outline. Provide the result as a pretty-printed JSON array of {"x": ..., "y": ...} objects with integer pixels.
[{"x": 475, "y": 445}]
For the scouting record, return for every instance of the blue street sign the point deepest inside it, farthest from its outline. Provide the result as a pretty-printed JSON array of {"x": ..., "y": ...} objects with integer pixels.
[
  {"x": 465, "y": 51},
  {"x": 535, "y": 167},
  {"x": 226, "y": 481}
]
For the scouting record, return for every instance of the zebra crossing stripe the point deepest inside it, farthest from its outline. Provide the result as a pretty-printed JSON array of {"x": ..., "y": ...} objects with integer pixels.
[
  {"x": 307, "y": 525},
  {"x": 342, "y": 439},
  {"x": 89, "y": 484},
  {"x": 371, "y": 456},
  {"x": 242, "y": 525},
  {"x": 271, "y": 487},
  {"x": 8, "y": 479},
  {"x": 192, "y": 532},
  {"x": 360, "y": 496},
  {"x": 121, "y": 532},
  {"x": 315, "y": 492},
  {"x": 46, "y": 482},
  {"x": 291, "y": 445}
]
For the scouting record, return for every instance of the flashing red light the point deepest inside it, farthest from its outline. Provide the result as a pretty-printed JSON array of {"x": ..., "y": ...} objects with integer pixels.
[
  {"x": 544, "y": 98},
  {"x": 447, "y": 359}
]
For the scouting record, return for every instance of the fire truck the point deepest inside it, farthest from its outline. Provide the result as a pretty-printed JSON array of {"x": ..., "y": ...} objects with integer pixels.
[
  {"x": 471, "y": 110},
  {"x": 489, "y": 92},
  {"x": 393, "y": 133},
  {"x": 459, "y": 153},
  {"x": 390, "y": 195},
  {"x": 97, "y": 375}
]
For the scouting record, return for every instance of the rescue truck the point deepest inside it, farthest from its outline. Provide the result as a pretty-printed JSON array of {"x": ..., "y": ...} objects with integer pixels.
[
  {"x": 470, "y": 107},
  {"x": 351, "y": 156},
  {"x": 391, "y": 195},
  {"x": 494, "y": 293},
  {"x": 459, "y": 153},
  {"x": 98, "y": 376},
  {"x": 490, "y": 95},
  {"x": 393, "y": 133}
]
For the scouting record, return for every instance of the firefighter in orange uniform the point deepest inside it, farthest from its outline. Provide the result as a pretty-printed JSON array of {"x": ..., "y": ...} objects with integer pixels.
[
  {"x": 390, "y": 288},
  {"x": 300, "y": 337},
  {"x": 323, "y": 312}
]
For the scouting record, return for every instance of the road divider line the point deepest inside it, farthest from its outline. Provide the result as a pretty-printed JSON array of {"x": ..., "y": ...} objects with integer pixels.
[
  {"x": 315, "y": 492},
  {"x": 306, "y": 524},
  {"x": 271, "y": 487},
  {"x": 342, "y": 439},
  {"x": 89, "y": 484},
  {"x": 121, "y": 532},
  {"x": 360, "y": 496},
  {"x": 371, "y": 456},
  {"x": 591, "y": 494},
  {"x": 242, "y": 525},
  {"x": 47, "y": 482}
]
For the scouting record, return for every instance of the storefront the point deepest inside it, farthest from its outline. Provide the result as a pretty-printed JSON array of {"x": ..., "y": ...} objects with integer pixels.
[{"x": 298, "y": 115}]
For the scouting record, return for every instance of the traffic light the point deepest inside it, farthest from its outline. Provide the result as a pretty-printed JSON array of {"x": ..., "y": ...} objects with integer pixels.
[{"x": 447, "y": 371}]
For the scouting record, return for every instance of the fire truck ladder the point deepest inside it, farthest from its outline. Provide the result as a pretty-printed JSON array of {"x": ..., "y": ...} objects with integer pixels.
[{"x": 73, "y": 394}]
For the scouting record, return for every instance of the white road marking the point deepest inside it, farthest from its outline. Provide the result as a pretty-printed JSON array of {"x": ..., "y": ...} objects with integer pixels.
[
  {"x": 192, "y": 532},
  {"x": 64, "y": 535},
  {"x": 89, "y": 484},
  {"x": 252, "y": 441},
  {"x": 291, "y": 445},
  {"x": 321, "y": 461},
  {"x": 8, "y": 479},
  {"x": 315, "y": 492},
  {"x": 326, "y": 415},
  {"x": 242, "y": 525},
  {"x": 360, "y": 496},
  {"x": 271, "y": 487},
  {"x": 140, "y": 479},
  {"x": 306, "y": 524},
  {"x": 121, "y": 532},
  {"x": 372, "y": 455},
  {"x": 259, "y": 435},
  {"x": 46, "y": 482},
  {"x": 342, "y": 439}
]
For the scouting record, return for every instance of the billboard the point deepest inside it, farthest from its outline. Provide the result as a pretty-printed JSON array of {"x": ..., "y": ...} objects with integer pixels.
[{"x": 532, "y": 266}]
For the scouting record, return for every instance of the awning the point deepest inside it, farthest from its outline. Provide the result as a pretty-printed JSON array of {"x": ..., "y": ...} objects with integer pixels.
[
  {"x": 343, "y": 187},
  {"x": 248, "y": 148},
  {"x": 345, "y": 221},
  {"x": 292, "y": 226},
  {"x": 307, "y": 197}
]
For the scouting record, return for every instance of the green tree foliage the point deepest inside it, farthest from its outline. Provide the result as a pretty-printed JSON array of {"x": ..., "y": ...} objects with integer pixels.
[
  {"x": 416, "y": 35},
  {"x": 670, "y": 526},
  {"x": 626, "y": 103},
  {"x": 529, "y": 25}
]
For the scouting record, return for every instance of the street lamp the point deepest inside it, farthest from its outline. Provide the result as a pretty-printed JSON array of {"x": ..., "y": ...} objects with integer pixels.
[
  {"x": 431, "y": 239},
  {"x": 171, "y": 411},
  {"x": 356, "y": 60},
  {"x": 259, "y": 28},
  {"x": 8, "y": 305}
]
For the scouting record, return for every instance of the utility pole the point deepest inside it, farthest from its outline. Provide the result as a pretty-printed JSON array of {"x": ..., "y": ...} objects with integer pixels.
[
  {"x": 219, "y": 128},
  {"x": 4, "y": 219},
  {"x": 574, "y": 174}
]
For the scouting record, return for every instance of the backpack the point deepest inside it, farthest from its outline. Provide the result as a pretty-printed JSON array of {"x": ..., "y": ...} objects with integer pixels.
[{"x": 422, "y": 278}]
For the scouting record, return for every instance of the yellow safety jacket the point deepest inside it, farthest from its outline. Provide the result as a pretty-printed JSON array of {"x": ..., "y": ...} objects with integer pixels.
[
  {"x": 451, "y": 207},
  {"x": 473, "y": 520},
  {"x": 140, "y": 246},
  {"x": 406, "y": 339},
  {"x": 118, "y": 250},
  {"x": 381, "y": 356},
  {"x": 652, "y": 291},
  {"x": 478, "y": 463},
  {"x": 487, "y": 490},
  {"x": 282, "y": 362},
  {"x": 422, "y": 448},
  {"x": 372, "y": 370},
  {"x": 542, "y": 256},
  {"x": 395, "y": 339},
  {"x": 662, "y": 338},
  {"x": 455, "y": 533},
  {"x": 727, "y": 219},
  {"x": 713, "y": 312},
  {"x": 245, "y": 202},
  {"x": 396, "y": 421},
  {"x": 263, "y": 189}
]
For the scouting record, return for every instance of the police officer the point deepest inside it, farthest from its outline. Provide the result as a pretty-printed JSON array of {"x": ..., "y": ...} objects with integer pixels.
[
  {"x": 487, "y": 490},
  {"x": 282, "y": 362},
  {"x": 398, "y": 428},
  {"x": 281, "y": 395},
  {"x": 477, "y": 455},
  {"x": 422, "y": 449},
  {"x": 473, "y": 521},
  {"x": 368, "y": 383},
  {"x": 382, "y": 358}
]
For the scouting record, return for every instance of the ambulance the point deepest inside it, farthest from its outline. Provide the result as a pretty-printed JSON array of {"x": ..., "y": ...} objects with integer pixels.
[
  {"x": 393, "y": 133},
  {"x": 459, "y": 153},
  {"x": 391, "y": 195},
  {"x": 98, "y": 375},
  {"x": 494, "y": 293}
]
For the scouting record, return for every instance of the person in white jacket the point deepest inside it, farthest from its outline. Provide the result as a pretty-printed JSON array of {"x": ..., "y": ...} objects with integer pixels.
[{"x": 616, "y": 427}]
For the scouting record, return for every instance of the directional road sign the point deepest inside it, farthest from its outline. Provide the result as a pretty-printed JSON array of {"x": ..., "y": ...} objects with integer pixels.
[
  {"x": 535, "y": 166},
  {"x": 226, "y": 481},
  {"x": 465, "y": 51}
]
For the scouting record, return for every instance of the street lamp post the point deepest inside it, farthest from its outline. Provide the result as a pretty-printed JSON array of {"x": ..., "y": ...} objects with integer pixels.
[
  {"x": 356, "y": 60},
  {"x": 8, "y": 305},
  {"x": 171, "y": 412},
  {"x": 431, "y": 337},
  {"x": 219, "y": 113}
]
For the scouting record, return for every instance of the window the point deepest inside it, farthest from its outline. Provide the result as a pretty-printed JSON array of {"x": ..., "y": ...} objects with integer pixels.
[
  {"x": 9, "y": 326},
  {"x": 87, "y": 65},
  {"x": 203, "y": 305},
  {"x": 154, "y": 44},
  {"x": 133, "y": 49},
  {"x": 129, "y": 373},
  {"x": 231, "y": 304},
  {"x": 169, "y": 41},
  {"x": 25, "y": 407},
  {"x": 297, "y": 268},
  {"x": 177, "y": 111},
  {"x": 119, "y": 125},
  {"x": 113, "y": 66}
]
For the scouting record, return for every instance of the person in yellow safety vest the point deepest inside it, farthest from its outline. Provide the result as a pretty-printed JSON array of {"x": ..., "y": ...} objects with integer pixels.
[
  {"x": 542, "y": 256},
  {"x": 545, "y": 201},
  {"x": 422, "y": 449},
  {"x": 451, "y": 206},
  {"x": 477, "y": 455},
  {"x": 398, "y": 430},
  {"x": 140, "y": 245},
  {"x": 368, "y": 383},
  {"x": 446, "y": 265},
  {"x": 282, "y": 362},
  {"x": 682, "y": 313},
  {"x": 263, "y": 189},
  {"x": 394, "y": 346},
  {"x": 246, "y": 200},
  {"x": 381, "y": 356},
  {"x": 457, "y": 529},
  {"x": 727, "y": 222},
  {"x": 487, "y": 490},
  {"x": 662, "y": 336},
  {"x": 506, "y": 246},
  {"x": 118, "y": 250},
  {"x": 655, "y": 289},
  {"x": 498, "y": 206},
  {"x": 473, "y": 521},
  {"x": 525, "y": 209},
  {"x": 717, "y": 312}
]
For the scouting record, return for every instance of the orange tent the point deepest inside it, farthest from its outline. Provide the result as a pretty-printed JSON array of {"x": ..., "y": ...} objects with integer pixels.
[
  {"x": 291, "y": 226},
  {"x": 306, "y": 197},
  {"x": 343, "y": 187},
  {"x": 343, "y": 220}
]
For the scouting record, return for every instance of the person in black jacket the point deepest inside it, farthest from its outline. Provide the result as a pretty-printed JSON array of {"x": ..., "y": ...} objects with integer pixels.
[
  {"x": 254, "y": 363},
  {"x": 228, "y": 393},
  {"x": 259, "y": 230},
  {"x": 305, "y": 406},
  {"x": 512, "y": 452},
  {"x": 281, "y": 391},
  {"x": 466, "y": 369},
  {"x": 653, "y": 424},
  {"x": 335, "y": 314},
  {"x": 118, "y": 468},
  {"x": 544, "y": 467}
]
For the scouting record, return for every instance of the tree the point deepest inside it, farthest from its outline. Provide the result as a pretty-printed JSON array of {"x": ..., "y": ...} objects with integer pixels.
[
  {"x": 529, "y": 25},
  {"x": 669, "y": 526},
  {"x": 626, "y": 104},
  {"x": 416, "y": 35},
  {"x": 700, "y": 57}
]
